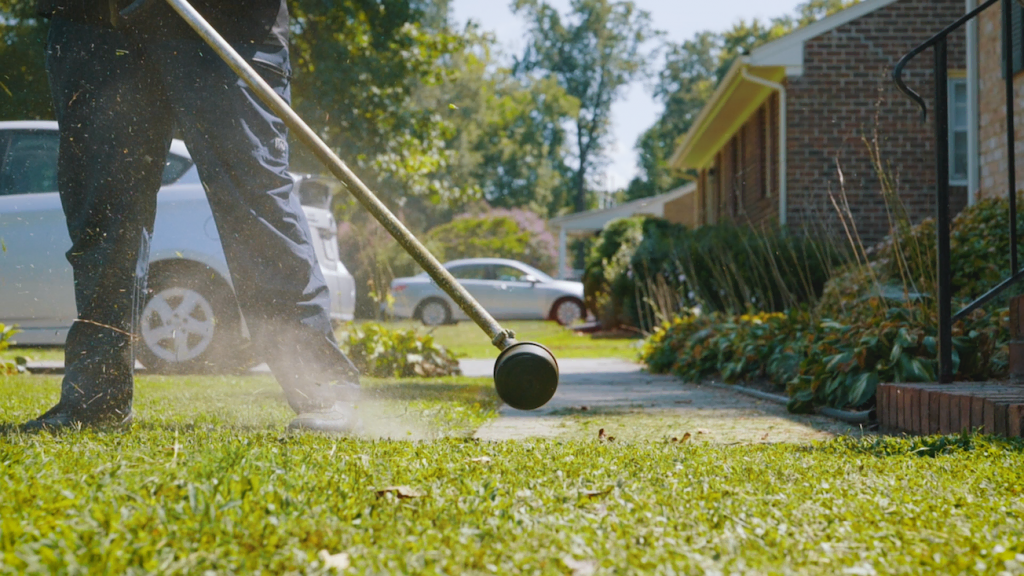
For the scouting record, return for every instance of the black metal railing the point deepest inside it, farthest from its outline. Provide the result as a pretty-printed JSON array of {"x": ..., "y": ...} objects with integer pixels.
[{"x": 945, "y": 292}]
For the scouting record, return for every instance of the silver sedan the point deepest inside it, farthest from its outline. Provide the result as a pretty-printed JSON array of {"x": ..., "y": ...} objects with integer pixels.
[
  {"x": 508, "y": 289},
  {"x": 190, "y": 320}
]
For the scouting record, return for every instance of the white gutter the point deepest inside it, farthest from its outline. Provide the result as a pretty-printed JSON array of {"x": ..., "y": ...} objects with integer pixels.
[
  {"x": 783, "y": 199},
  {"x": 973, "y": 138}
]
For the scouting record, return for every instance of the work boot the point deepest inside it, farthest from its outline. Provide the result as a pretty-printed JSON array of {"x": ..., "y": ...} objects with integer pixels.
[
  {"x": 59, "y": 419},
  {"x": 339, "y": 418}
]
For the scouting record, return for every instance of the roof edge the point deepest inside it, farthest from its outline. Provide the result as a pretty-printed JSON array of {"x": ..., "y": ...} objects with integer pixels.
[
  {"x": 782, "y": 52},
  {"x": 663, "y": 197}
]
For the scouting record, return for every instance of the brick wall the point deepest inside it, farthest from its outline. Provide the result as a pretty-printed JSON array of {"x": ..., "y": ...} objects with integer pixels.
[
  {"x": 846, "y": 95},
  {"x": 743, "y": 180},
  {"x": 992, "y": 108},
  {"x": 682, "y": 210}
]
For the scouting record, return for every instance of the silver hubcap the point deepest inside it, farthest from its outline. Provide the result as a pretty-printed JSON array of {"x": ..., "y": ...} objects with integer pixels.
[
  {"x": 568, "y": 312},
  {"x": 433, "y": 313},
  {"x": 177, "y": 324}
]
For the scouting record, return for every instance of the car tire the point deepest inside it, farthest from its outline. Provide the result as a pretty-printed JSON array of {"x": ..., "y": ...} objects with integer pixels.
[
  {"x": 434, "y": 312},
  {"x": 566, "y": 311},
  {"x": 190, "y": 324}
]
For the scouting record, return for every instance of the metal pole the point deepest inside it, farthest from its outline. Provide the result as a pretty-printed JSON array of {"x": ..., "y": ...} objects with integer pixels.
[
  {"x": 973, "y": 169},
  {"x": 1011, "y": 168},
  {"x": 500, "y": 337},
  {"x": 942, "y": 220}
]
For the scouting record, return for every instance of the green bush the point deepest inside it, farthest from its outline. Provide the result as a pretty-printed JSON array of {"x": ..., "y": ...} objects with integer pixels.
[
  {"x": 875, "y": 322},
  {"x": 607, "y": 287},
  {"x": 642, "y": 271},
  {"x": 826, "y": 362},
  {"x": 979, "y": 244},
  {"x": 5, "y": 340},
  {"x": 380, "y": 352}
]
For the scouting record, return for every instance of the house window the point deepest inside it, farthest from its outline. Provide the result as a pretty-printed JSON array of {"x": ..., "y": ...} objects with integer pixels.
[{"x": 958, "y": 132}]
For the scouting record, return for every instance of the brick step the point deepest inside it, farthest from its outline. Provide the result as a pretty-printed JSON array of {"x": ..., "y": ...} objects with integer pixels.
[{"x": 995, "y": 407}]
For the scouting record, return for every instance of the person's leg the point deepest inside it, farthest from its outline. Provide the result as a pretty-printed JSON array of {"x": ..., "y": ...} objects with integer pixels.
[
  {"x": 114, "y": 136},
  {"x": 241, "y": 151}
]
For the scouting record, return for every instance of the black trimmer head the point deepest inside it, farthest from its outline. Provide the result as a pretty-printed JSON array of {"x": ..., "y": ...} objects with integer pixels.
[{"x": 526, "y": 375}]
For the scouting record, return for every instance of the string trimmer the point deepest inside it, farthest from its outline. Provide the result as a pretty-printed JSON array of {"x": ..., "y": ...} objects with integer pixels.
[{"x": 525, "y": 373}]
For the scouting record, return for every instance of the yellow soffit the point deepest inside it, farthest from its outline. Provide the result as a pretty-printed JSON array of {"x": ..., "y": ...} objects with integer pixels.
[{"x": 735, "y": 101}]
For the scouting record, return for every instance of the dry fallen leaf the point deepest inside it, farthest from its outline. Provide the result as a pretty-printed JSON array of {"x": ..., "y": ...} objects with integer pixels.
[
  {"x": 340, "y": 561},
  {"x": 685, "y": 437},
  {"x": 580, "y": 567},
  {"x": 703, "y": 431},
  {"x": 765, "y": 437},
  {"x": 596, "y": 493},
  {"x": 481, "y": 460},
  {"x": 400, "y": 491},
  {"x": 600, "y": 434}
]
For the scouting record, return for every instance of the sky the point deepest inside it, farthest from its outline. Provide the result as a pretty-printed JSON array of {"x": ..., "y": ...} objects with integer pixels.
[{"x": 637, "y": 111}]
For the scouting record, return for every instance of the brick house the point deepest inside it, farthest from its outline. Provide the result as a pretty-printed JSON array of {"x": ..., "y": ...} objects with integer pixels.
[
  {"x": 991, "y": 98},
  {"x": 816, "y": 95}
]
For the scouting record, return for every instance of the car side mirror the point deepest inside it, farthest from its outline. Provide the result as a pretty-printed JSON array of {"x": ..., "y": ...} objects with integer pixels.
[{"x": 531, "y": 279}]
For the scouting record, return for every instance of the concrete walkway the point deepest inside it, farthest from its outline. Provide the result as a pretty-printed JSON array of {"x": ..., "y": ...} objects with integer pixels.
[
  {"x": 618, "y": 397},
  {"x": 614, "y": 398}
]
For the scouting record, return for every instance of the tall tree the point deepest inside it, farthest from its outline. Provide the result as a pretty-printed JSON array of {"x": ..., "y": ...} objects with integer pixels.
[
  {"x": 510, "y": 135},
  {"x": 594, "y": 53},
  {"x": 358, "y": 65},
  {"x": 24, "y": 92}
]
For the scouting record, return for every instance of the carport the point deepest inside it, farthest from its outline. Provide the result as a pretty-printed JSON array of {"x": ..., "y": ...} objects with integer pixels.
[{"x": 676, "y": 206}]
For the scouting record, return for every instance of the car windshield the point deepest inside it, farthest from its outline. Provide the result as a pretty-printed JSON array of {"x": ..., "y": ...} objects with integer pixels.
[
  {"x": 536, "y": 273},
  {"x": 29, "y": 163}
]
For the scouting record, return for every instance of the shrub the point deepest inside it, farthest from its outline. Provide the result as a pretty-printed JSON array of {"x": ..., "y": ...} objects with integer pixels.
[
  {"x": 903, "y": 269},
  {"x": 643, "y": 270},
  {"x": 979, "y": 249},
  {"x": 384, "y": 353},
  {"x": 363, "y": 246},
  {"x": 541, "y": 247},
  {"x": 606, "y": 283},
  {"x": 826, "y": 362},
  {"x": 5, "y": 340},
  {"x": 699, "y": 346}
]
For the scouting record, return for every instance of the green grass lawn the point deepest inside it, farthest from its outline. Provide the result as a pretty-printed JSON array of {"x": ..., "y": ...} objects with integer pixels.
[
  {"x": 208, "y": 480},
  {"x": 48, "y": 353},
  {"x": 468, "y": 341}
]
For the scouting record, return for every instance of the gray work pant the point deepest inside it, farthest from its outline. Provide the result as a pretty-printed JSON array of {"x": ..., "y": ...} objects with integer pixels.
[{"x": 117, "y": 101}]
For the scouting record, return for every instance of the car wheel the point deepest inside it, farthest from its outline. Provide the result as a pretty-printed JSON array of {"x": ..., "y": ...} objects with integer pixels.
[
  {"x": 190, "y": 324},
  {"x": 567, "y": 311},
  {"x": 434, "y": 312}
]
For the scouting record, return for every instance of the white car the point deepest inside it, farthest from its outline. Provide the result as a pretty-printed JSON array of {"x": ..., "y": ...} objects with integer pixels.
[
  {"x": 508, "y": 289},
  {"x": 191, "y": 320}
]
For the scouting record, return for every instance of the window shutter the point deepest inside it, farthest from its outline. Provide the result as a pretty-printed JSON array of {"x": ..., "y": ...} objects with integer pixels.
[
  {"x": 1017, "y": 28},
  {"x": 1017, "y": 39}
]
